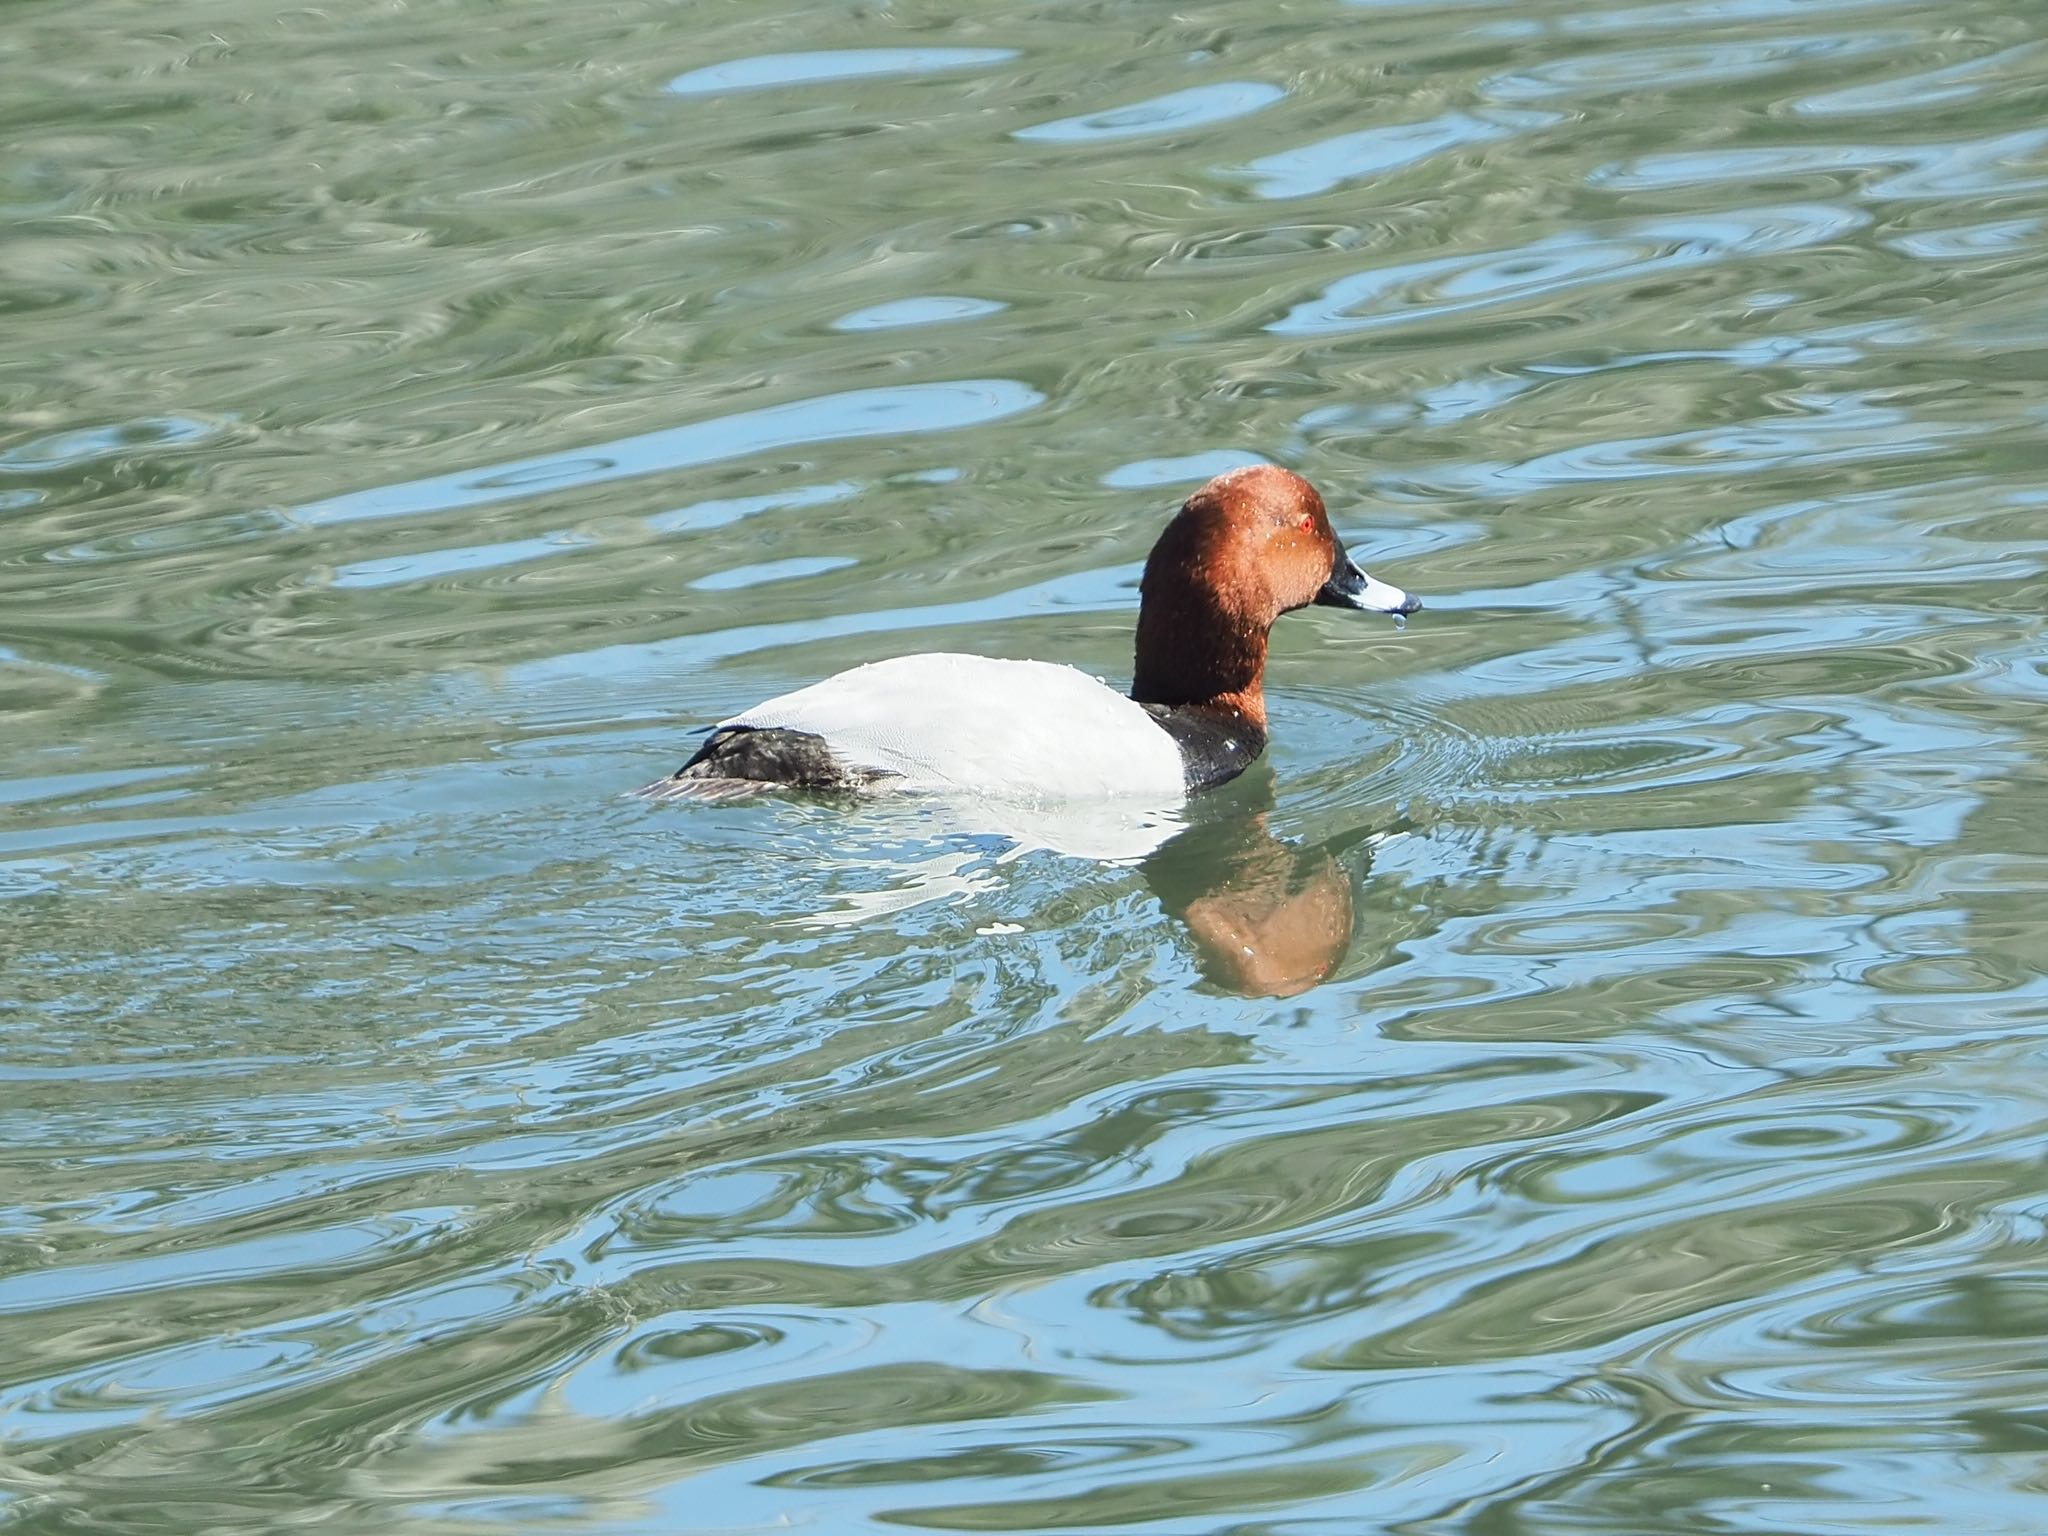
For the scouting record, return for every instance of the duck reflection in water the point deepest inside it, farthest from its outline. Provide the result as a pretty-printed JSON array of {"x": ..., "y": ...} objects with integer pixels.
[{"x": 1269, "y": 918}]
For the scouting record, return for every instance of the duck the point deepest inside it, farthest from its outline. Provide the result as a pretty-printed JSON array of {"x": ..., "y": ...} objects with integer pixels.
[{"x": 1248, "y": 546}]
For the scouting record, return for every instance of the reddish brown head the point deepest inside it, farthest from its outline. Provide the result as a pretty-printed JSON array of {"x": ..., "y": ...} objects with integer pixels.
[{"x": 1247, "y": 547}]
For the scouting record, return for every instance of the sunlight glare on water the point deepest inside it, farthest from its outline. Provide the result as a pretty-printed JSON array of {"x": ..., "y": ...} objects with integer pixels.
[{"x": 1586, "y": 1078}]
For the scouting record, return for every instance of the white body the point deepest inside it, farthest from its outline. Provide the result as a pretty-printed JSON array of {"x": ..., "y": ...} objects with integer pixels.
[{"x": 973, "y": 723}]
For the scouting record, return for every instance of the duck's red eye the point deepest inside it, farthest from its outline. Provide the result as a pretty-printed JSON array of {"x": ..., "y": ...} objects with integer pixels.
[{"x": 1308, "y": 522}]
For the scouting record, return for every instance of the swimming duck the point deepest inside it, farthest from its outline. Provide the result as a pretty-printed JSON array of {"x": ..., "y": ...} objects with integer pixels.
[{"x": 1250, "y": 545}]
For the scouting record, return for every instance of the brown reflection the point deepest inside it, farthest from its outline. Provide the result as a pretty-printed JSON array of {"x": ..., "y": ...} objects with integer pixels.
[{"x": 1269, "y": 918}]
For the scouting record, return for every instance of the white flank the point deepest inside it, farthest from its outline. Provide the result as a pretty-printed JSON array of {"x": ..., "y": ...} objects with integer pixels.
[{"x": 1012, "y": 728}]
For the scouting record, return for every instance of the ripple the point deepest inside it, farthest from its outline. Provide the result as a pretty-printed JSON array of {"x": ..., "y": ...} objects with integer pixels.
[
  {"x": 68, "y": 450},
  {"x": 767, "y": 70},
  {"x": 724, "y": 511},
  {"x": 429, "y": 565},
  {"x": 64, "y": 786},
  {"x": 1875, "y": 1347},
  {"x": 1404, "y": 293},
  {"x": 1586, "y": 1072},
  {"x": 1685, "y": 66},
  {"x": 741, "y": 577},
  {"x": 1839, "y": 430},
  {"x": 1943, "y": 171},
  {"x": 1191, "y": 469},
  {"x": 1198, "y": 107},
  {"x": 1608, "y": 1286},
  {"x": 1695, "y": 168},
  {"x": 821, "y": 419},
  {"x": 1551, "y": 937},
  {"x": 1972, "y": 242},
  {"x": 1717, "y": 1147},
  {"x": 1662, "y": 15},
  {"x": 1087, "y": 591},
  {"x": 1330, "y": 163},
  {"x": 1941, "y": 87},
  {"x": 333, "y": 1248},
  {"x": 933, "y": 309}
]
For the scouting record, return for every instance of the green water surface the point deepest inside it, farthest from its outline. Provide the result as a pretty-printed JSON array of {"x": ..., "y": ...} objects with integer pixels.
[{"x": 1588, "y": 1078}]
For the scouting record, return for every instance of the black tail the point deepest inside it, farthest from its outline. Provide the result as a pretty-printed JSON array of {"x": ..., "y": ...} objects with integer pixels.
[{"x": 743, "y": 760}]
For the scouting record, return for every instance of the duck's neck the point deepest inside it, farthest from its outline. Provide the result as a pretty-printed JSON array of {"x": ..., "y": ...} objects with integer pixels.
[{"x": 1194, "y": 654}]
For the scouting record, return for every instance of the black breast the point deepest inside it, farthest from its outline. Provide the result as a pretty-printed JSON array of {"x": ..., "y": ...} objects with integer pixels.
[{"x": 1215, "y": 746}]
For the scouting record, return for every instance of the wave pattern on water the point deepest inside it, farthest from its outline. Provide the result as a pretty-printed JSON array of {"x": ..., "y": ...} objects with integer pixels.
[{"x": 1585, "y": 1080}]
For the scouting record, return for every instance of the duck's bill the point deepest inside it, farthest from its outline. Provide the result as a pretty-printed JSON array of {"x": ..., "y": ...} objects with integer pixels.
[{"x": 1349, "y": 587}]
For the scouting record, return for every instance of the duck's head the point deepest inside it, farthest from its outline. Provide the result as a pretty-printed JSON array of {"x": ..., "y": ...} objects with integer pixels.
[{"x": 1250, "y": 545}]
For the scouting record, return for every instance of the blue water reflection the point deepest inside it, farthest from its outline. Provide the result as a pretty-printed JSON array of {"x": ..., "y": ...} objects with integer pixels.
[
  {"x": 823, "y": 419},
  {"x": 775, "y": 69},
  {"x": 1197, "y": 107}
]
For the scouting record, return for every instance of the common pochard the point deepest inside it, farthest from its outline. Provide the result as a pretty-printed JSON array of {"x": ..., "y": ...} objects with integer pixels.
[{"x": 1250, "y": 545}]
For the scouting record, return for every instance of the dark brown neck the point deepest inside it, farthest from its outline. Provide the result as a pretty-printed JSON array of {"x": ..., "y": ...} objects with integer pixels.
[{"x": 1193, "y": 653}]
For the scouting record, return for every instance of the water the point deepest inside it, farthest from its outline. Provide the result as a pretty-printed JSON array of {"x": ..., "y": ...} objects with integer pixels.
[{"x": 416, "y": 421}]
